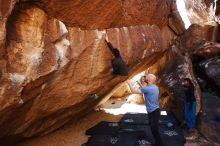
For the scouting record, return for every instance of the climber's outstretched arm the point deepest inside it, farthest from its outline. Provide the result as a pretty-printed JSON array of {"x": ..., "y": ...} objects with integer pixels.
[
  {"x": 110, "y": 46},
  {"x": 133, "y": 91}
]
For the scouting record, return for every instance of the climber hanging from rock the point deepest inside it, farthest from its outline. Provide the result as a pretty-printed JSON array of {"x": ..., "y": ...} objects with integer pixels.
[{"x": 118, "y": 64}]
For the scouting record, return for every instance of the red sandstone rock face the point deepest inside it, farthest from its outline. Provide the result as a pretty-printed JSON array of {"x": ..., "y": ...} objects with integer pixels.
[
  {"x": 6, "y": 7},
  {"x": 201, "y": 12},
  {"x": 196, "y": 35},
  {"x": 89, "y": 14},
  {"x": 50, "y": 70},
  {"x": 217, "y": 12},
  {"x": 208, "y": 50}
]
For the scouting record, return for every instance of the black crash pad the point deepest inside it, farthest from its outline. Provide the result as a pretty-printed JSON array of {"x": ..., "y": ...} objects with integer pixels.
[
  {"x": 120, "y": 140},
  {"x": 135, "y": 132},
  {"x": 170, "y": 134},
  {"x": 135, "y": 119},
  {"x": 103, "y": 128}
]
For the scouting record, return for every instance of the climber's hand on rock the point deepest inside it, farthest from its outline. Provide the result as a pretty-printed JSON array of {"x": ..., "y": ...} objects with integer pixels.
[{"x": 106, "y": 37}]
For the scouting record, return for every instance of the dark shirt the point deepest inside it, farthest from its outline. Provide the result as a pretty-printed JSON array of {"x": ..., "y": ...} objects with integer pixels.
[
  {"x": 118, "y": 64},
  {"x": 190, "y": 94}
]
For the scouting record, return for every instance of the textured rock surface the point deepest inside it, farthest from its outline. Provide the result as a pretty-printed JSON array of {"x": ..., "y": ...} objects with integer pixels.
[
  {"x": 121, "y": 91},
  {"x": 207, "y": 50},
  {"x": 6, "y": 7},
  {"x": 49, "y": 70},
  {"x": 201, "y": 12},
  {"x": 118, "y": 13},
  {"x": 209, "y": 126},
  {"x": 197, "y": 35},
  {"x": 217, "y": 12},
  {"x": 211, "y": 69}
]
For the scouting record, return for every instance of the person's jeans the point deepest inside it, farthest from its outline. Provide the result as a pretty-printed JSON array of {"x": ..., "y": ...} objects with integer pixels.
[
  {"x": 154, "y": 125},
  {"x": 190, "y": 114}
]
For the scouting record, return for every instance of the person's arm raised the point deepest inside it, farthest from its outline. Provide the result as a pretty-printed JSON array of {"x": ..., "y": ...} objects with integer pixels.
[
  {"x": 109, "y": 44},
  {"x": 139, "y": 84},
  {"x": 134, "y": 91}
]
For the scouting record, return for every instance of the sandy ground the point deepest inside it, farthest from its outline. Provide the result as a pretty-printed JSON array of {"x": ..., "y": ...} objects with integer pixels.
[{"x": 74, "y": 134}]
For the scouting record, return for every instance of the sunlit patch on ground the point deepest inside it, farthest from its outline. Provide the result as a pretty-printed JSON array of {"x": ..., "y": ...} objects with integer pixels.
[{"x": 121, "y": 106}]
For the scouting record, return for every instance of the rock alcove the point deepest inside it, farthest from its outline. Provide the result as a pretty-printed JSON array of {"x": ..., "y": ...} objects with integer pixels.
[{"x": 53, "y": 55}]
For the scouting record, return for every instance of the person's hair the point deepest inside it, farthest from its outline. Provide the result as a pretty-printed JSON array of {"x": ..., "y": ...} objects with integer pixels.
[
  {"x": 142, "y": 77},
  {"x": 188, "y": 80},
  {"x": 151, "y": 77}
]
